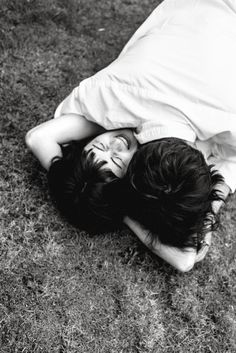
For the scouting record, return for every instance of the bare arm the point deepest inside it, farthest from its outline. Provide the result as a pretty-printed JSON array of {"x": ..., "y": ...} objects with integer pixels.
[
  {"x": 182, "y": 260},
  {"x": 204, "y": 248},
  {"x": 45, "y": 139}
]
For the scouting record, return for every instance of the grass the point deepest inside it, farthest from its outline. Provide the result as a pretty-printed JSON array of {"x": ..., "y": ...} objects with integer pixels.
[{"x": 61, "y": 289}]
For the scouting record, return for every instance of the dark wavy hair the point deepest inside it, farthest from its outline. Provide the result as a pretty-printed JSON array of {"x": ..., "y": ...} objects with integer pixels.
[
  {"x": 78, "y": 185},
  {"x": 169, "y": 189}
]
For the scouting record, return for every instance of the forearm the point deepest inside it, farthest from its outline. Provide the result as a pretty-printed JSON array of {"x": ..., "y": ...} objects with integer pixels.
[
  {"x": 182, "y": 260},
  {"x": 205, "y": 245},
  {"x": 45, "y": 140}
]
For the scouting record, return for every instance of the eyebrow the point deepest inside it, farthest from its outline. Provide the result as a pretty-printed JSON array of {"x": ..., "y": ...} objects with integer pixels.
[{"x": 102, "y": 148}]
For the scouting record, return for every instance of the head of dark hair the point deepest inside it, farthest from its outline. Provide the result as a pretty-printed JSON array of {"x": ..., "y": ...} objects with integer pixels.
[
  {"x": 78, "y": 186},
  {"x": 170, "y": 189}
]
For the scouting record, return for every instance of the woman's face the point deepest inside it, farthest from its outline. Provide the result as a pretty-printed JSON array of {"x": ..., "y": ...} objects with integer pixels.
[{"x": 116, "y": 148}]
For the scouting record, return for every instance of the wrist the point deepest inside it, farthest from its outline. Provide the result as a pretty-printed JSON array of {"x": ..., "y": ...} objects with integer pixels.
[{"x": 203, "y": 243}]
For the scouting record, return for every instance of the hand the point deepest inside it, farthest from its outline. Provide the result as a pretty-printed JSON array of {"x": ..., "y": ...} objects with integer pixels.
[{"x": 204, "y": 248}]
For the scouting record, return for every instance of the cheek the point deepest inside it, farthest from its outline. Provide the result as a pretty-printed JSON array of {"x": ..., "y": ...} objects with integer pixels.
[
  {"x": 130, "y": 156},
  {"x": 121, "y": 173}
]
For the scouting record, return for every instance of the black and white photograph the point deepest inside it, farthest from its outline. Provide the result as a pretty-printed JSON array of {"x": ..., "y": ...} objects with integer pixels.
[{"x": 117, "y": 176}]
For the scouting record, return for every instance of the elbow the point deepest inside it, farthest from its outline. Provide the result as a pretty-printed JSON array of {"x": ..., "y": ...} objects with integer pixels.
[
  {"x": 28, "y": 139},
  {"x": 185, "y": 266},
  {"x": 184, "y": 269},
  {"x": 31, "y": 139}
]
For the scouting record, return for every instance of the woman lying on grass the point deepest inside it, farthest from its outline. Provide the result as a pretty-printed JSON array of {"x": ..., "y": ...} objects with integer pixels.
[
  {"x": 173, "y": 85},
  {"x": 85, "y": 181}
]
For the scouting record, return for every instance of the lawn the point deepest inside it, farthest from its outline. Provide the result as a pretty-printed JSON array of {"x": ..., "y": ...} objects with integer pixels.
[{"x": 62, "y": 289}]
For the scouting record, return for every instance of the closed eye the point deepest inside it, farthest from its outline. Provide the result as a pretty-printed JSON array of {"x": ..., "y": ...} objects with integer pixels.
[{"x": 117, "y": 161}]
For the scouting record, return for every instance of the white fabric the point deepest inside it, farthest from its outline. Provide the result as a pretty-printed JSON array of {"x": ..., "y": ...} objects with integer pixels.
[{"x": 176, "y": 77}]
